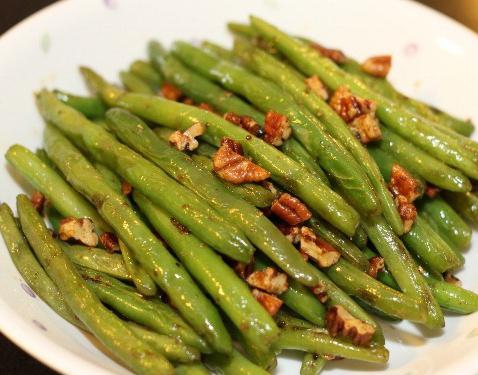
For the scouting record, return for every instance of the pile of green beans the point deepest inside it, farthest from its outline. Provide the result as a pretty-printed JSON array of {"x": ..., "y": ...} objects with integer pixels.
[{"x": 174, "y": 296}]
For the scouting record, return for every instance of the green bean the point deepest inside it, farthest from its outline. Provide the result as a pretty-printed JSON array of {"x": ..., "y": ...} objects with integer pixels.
[
  {"x": 346, "y": 247},
  {"x": 222, "y": 284},
  {"x": 466, "y": 204},
  {"x": 312, "y": 364},
  {"x": 135, "y": 84},
  {"x": 360, "y": 238},
  {"x": 376, "y": 312},
  {"x": 187, "y": 207},
  {"x": 147, "y": 73},
  {"x": 415, "y": 129},
  {"x": 29, "y": 268},
  {"x": 165, "y": 270},
  {"x": 294, "y": 83},
  {"x": 171, "y": 348},
  {"x": 266, "y": 95},
  {"x": 107, "y": 328},
  {"x": 143, "y": 282},
  {"x": 235, "y": 364},
  {"x": 384, "y": 276},
  {"x": 437, "y": 230},
  {"x": 448, "y": 221},
  {"x": 430, "y": 248},
  {"x": 314, "y": 341},
  {"x": 91, "y": 107},
  {"x": 97, "y": 259},
  {"x": 42, "y": 155},
  {"x": 241, "y": 29},
  {"x": 61, "y": 195},
  {"x": 404, "y": 270},
  {"x": 285, "y": 320},
  {"x": 259, "y": 230},
  {"x": 373, "y": 292},
  {"x": 191, "y": 369},
  {"x": 421, "y": 163},
  {"x": 109, "y": 176},
  {"x": 218, "y": 50},
  {"x": 454, "y": 298}
]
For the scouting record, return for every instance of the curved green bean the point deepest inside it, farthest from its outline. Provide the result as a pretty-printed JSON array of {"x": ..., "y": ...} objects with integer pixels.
[
  {"x": 91, "y": 107},
  {"x": 466, "y": 204}
]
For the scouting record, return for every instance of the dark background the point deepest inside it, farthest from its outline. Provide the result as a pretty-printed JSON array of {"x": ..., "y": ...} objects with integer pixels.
[{"x": 14, "y": 360}]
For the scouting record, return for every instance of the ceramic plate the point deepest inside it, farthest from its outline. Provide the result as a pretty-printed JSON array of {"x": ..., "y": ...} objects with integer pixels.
[{"x": 434, "y": 59}]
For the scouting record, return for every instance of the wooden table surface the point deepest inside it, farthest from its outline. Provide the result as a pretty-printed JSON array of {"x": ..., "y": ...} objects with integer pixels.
[{"x": 12, "y": 359}]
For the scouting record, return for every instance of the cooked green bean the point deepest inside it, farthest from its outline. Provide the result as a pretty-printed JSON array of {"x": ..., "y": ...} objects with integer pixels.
[
  {"x": 312, "y": 364},
  {"x": 360, "y": 237},
  {"x": 466, "y": 204},
  {"x": 110, "y": 177},
  {"x": 147, "y": 73},
  {"x": 134, "y": 83},
  {"x": 91, "y": 107},
  {"x": 218, "y": 50},
  {"x": 235, "y": 364},
  {"x": 191, "y": 369}
]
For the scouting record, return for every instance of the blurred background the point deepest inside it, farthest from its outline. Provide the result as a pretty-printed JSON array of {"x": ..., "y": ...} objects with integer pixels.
[{"x": 12, "y": 359}]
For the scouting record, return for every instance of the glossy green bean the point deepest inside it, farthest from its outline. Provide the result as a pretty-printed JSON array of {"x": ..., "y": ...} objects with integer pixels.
[
  {"x": 360, "y": 238},
  {"x": 110, "y": 177},
  {"x": 218, "y": 50},
  {"x": 466, "y": 204},
  {"x": 147, "y": 73},
  {"x": 134, "y": 83},
  {"x": 91, "y": 107},
  {"x": 312, "y": 364},
  {"x": 235, "y": 364},
  {"x": 191, "y": 369}
]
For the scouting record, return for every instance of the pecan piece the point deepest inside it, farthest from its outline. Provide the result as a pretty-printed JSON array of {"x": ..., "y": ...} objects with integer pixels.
[
  {"x": 407, "y": 211},
  {"x": 315, "y": 85},
  {"x": 245, "y": 122},
  {"x": 38, "y": 201},
  {"x": 276, "y": 128},
  {"x": 376, "y": 265},
  {"x": 270, "y": 302},
  {"x": 292, "y": 233},
  {"x": 269, "y": 280},
  {"x": 319, "y": 250},
  {"x": 290, "y": 209},
  {"x": 432, "y": 191},
  {"x": 320, "y": 291},
  {"x": 335, "y": 55},
  {"x": 377, "y": 66},
  {"x": 341, "y": 322},
  {"x": 186, "y": 141},
  {"x": 109, "y": 241},
  {"x": 403, "y": 183},
  {"x": 451, "y": 279},
  {"x": 232, "y": 166},
  {"x": 171, "y": 92},
  {"x": 206, "y": 107},
  {"x": 126, "y": 188},
  {"x": 358, "y": 113},
  {"x": 244, "y": 269},
  {"x": 81, "y": 230}
]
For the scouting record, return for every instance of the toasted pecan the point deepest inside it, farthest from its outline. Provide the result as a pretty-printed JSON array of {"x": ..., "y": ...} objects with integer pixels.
[
  {"x": 245, "y": 122},
  {"x": 232, "y": 166},
  {"x": 171, "y": 92},
  {"x": 270, "y": 302},
  {"x": 38, "y": 201},
  {"x": 244, "y": 269},
  {"x": 291, "y": 232},
  {"x": 378, "y": 66},
  {"x": 126, "y": 188},
  {"x": 186, "y": 141},
  {"x": 109, "y": 241},
  {"x": 320, "y": 291},
  {"x": 376, "y": 265},
  {"x": 407, "y": 211},
  {"x": 432, "y": 191},
  {"x": 276, "y": 128},
  {"x": 268, "y": 280},
  {"x": 290, "y": 209},
  {"x": 315, "y": 85},
  {"x": 81, "y": 230},
  {"x": 403, "y": 183},
  {"x": 451, "y": 279},
  {"x": 316, "y": 248},
  {"x": 206, "y": 107},
  {"x": 341, "y": 322},
  {"x": 335, "y": 55}
]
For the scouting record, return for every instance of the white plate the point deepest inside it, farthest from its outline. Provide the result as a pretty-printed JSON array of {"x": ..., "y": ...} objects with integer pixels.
[{"x": 434, "y": 59}]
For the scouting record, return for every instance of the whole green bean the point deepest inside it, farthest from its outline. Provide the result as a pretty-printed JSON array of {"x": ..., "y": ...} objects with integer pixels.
[
  {"x": 430, "y": 248},
  {"x": 97, "y": 259},
  {"x": 218, "y": 50},
  {"x": 415, "y": 129},
  {"x": 312, "y": 364},
  {"x": 259, "y": 230},
  {"x": 454, "y": 298},
  {"x": 187, "y": 207},
  {"x": 235, "y": 364},
  {"x": 294, "y": 83},
  {"x": 165, "y": 270},
  {"x": 61, "y": 195},
  {"x": 285, "y": 320},
  {"x": 91, "y": 107},
  {"x": 143, "y": 282},
  {"x": 135, "y": 84},
  {"x": 29, "y": 268},
  {"x": 147, "y": 73},
  {"x": 437, "y": 230},
  {"x": 171, "y": 348},
  {"x": 311, "y": 132},
  {"x": 110, "y": 177},
  {"x": 314, "y": 341},
  {"x": 219, "y": 280},
  {"x": 191, "y": 369},
  {"x": 254, "y": 194},
  {"x": 448, "y": 221},
  {"x": 466, "y": 204},
  {"x": 360, "y": 237},
  {"x": 107, "y": 328}
]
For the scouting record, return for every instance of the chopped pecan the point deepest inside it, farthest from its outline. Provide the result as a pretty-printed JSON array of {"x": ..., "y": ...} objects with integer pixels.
[
  {"x": 126, "y": 188},
  {"x": 170, "y": 91},
  {"x": 320, "y": 291},
  {"x": 292, "y": 233},
  {"x": 81, "y": 230},
  {"x": 290, "y": 209},
  {"x": 269, "y": 280},
  {"x": 376, "y": 265},
  {"x": 407, "y": 211},
  {"x": 206, "y": 107},
  {"x": 109, "y": 241},
  {"x": 232, "y": 166},
  {"x": 319, "y": 250},
  {"x": 244, "y": 269},
  {"x": 451, "y": 279},
  {"x": 316, "y": 86},
  {"x": 245, "y": 122},
  {"x": 38, "y": 201},
  {"x": 358, "y": 113},
  {"x": 186, "y": 141},
  {"x": 403, "y": 183},
  {"x": 276, "y": 128},
  {"x": 378, "y": 66},
  {"x": 335, "y": 55},
  {"x": 341, "y": 322},
  {"x": 270, "y": 302},
  {"x": 432, "y": 191}
]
